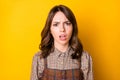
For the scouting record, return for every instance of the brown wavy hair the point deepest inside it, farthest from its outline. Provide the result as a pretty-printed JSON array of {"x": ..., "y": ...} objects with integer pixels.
[{"x": 47, "y": 42}]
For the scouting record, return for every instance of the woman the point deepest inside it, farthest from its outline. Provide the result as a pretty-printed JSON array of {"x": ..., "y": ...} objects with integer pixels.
[{"x": 62, "y": 56}]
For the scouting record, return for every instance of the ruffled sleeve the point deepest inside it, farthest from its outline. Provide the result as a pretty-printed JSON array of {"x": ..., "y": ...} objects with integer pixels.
[
  {"x": 37, "y": 67},
  {"x": 86, "y": 66}
]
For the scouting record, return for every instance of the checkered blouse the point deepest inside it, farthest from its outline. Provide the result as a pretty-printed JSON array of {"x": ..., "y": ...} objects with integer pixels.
[{"x": 62, "y": 61}]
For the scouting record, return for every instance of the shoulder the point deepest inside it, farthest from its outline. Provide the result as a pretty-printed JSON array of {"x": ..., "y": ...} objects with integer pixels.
[
  {"x": 37, "y": 54},
  {"x": 37, "y": 58},
  {"x": 85, "y": 55}
]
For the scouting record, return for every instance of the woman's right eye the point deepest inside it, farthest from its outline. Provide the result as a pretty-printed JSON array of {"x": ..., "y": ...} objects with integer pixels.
[{"x": 55, "y": 24}]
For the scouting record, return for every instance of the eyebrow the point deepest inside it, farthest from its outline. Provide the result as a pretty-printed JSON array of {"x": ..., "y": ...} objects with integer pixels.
[
  {"x": 56, "y": 22},
  {"x": 67, "y": 21},
  {"x": 59, "y": 21}
]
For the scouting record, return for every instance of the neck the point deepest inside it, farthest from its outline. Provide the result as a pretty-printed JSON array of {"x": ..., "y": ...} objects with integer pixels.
[{"x": 62, "y": 48}]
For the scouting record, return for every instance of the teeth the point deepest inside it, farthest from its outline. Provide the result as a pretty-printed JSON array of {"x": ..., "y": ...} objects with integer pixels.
[{"x": 62, "y": 36}]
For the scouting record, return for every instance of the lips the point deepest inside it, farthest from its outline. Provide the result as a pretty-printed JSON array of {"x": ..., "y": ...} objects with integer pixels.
[{"x": 62, "y": 37}]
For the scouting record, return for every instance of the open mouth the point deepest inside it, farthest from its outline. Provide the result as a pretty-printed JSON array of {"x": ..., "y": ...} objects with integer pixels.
[{"x": 62, "y": 37}]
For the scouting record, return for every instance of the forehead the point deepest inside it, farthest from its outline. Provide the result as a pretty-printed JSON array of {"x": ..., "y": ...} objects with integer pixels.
[{"x": 60, "y": 16}]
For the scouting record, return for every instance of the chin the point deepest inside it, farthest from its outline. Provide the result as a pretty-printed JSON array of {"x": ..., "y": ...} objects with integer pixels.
[{"x": 63, "y": 43}]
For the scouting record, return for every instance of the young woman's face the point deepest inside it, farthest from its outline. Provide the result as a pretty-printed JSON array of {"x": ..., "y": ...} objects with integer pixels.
[{"x": 61, "y": 29}]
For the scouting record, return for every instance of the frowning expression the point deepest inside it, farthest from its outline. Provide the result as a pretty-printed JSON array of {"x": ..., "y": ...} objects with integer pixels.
[{"x": 61, "y": 29}]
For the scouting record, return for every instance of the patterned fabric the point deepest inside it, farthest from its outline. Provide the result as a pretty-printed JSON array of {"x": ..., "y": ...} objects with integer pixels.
[
  {"x": 62, "y": 61},
  {"x": 55, "y": 74}
]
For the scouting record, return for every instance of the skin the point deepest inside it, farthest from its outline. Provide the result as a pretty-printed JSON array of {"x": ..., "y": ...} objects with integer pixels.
[{"x": 61, "y": 30}]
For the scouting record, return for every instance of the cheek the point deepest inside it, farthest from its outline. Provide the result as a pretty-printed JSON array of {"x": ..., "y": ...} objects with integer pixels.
[
  {"x": 70, "y": 31},
  {"x": 51, "y": 31},
  {"x": 54, "y": 33}
]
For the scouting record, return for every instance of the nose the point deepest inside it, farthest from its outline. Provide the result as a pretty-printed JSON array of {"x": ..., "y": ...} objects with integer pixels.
[{"x": 62, "y": 28}]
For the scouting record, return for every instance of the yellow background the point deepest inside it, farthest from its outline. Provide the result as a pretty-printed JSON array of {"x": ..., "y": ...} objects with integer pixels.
[{"x": 21, "y": 22}]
